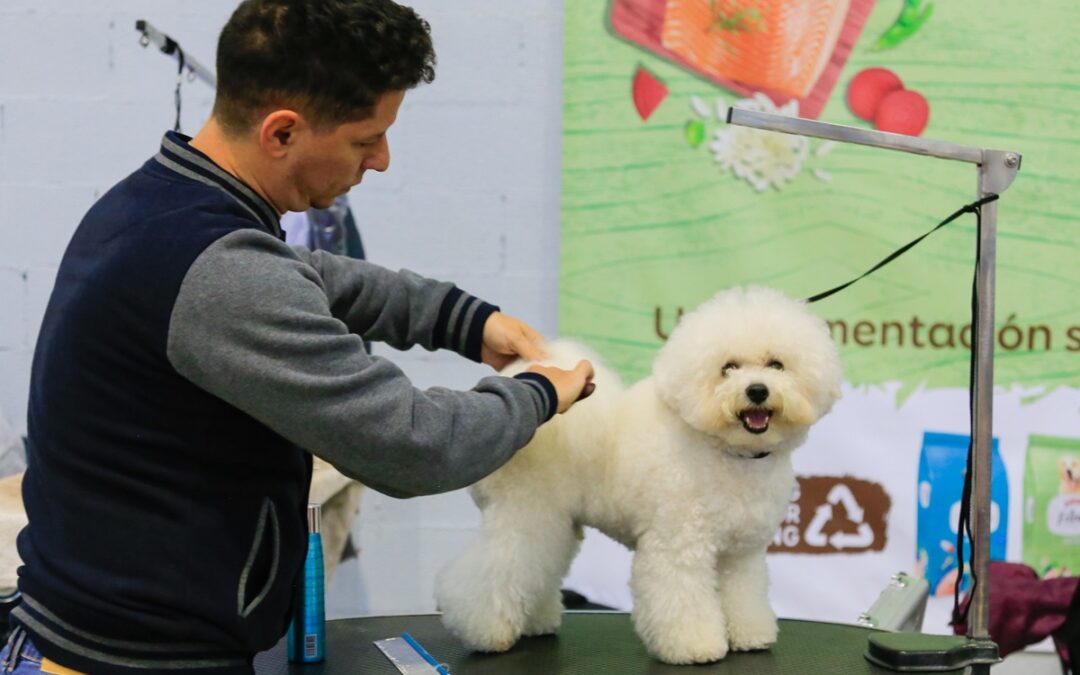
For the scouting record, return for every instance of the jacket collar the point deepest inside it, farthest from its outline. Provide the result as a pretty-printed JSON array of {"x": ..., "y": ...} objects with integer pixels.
[{"x": 178, "y": 156}]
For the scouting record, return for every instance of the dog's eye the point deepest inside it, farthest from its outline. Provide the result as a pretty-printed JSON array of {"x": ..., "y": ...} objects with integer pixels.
[
  {"x": 775, "y": 365},
  {"x": 728, "y": 367}
]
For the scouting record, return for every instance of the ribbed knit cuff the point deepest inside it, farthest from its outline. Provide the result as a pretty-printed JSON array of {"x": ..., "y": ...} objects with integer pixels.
[
  {"x": 460, "y": 325},
  {"x": 546, "y": 389}
]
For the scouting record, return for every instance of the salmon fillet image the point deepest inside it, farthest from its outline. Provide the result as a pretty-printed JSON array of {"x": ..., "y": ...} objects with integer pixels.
[{"x": 780, "y": 45}]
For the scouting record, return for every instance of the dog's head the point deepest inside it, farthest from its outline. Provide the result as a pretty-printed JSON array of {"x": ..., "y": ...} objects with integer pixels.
[
  {"x": 1069, "y": 475},
  {"x": 752, "y": 368}
]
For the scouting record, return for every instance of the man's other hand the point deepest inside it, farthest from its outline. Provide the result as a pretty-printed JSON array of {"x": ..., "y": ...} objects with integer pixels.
[{"x": 507, "y": 339}]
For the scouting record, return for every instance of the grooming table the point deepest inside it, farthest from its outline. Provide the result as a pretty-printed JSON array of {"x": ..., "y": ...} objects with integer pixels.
[{"x": 589, "y": 643}]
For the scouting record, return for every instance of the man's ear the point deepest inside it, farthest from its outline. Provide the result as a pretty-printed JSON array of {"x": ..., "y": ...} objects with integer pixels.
[{"x": 279, "y": 130}]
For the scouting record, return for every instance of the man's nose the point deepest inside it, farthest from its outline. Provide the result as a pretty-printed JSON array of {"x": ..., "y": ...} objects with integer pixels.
[{"x": 381, "y": 161}]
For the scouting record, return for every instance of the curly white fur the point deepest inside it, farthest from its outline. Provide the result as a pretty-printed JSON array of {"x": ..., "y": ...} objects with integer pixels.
[{"x": 668, "y": 468}]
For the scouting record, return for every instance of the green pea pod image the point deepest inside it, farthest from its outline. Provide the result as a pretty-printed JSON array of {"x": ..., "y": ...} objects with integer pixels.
[{"x": 911, "y": 19}]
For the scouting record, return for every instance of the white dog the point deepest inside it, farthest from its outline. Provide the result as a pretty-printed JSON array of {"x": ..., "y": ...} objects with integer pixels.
[{"x": 690, "y": 468}]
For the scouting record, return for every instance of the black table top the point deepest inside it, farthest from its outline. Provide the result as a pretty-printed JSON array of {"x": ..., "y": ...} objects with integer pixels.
[{"x": 589, "y": 643}]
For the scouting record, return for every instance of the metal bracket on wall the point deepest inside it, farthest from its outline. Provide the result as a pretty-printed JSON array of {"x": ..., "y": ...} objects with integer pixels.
[{"x": 167, "y": 45}]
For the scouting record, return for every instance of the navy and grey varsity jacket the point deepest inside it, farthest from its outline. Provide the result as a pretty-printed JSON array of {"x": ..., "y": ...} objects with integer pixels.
[{"x": 187, "y": 364}]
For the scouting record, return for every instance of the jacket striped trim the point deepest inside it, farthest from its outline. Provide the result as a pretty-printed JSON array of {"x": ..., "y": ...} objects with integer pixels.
[{"x": 69, "y": 641}]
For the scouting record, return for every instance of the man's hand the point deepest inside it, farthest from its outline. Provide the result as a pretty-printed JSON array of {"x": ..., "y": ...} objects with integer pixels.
[
  {"x": 570, "y": 385},
  {"x": 506, "y": 339}
]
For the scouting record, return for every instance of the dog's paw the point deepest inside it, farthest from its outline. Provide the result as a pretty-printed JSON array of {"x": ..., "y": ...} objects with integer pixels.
[
  {"x": 747, "y": 633},
  {"x": 684, "y": 650},
  {"x": 483, "y": 633},
  {"x": 546, "y": 618},
  {"x": 493, "y": 639},
  {"x": 534, "y": 627},
  {"x": 483, "y": 620},
  {"x": 684, "y": 639}
]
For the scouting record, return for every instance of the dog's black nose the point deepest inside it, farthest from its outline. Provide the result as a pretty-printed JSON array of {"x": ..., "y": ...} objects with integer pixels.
[{"x": 757, "y": 393}]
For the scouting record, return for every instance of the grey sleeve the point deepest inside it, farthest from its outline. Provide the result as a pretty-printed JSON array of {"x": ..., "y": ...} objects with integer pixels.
[
  {"x": 400, "y": 308},
  {"x": 253, "y": 326}
]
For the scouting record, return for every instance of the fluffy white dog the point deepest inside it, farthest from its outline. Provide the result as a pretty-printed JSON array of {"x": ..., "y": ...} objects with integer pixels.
[{"x": 690, "y": 468}]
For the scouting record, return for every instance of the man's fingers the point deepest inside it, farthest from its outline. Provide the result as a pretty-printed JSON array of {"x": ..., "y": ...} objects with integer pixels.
[
  {"x": 535, "y": 339},
  {"x": 498, "y": 362},
  {"x": 531, "y": 333},
  {"x": 528, "y": 349},
  {"x": 585, "y": 367}
]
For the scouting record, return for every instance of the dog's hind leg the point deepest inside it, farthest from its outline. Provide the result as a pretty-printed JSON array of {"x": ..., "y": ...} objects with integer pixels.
[
  {"x": 677, "y": 608},
  {"x": 744, "y": 587},
  {"x": 506, "y": 576}
]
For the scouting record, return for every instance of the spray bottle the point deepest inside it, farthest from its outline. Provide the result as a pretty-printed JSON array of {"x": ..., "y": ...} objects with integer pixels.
[{"x": 307, "y": 631}]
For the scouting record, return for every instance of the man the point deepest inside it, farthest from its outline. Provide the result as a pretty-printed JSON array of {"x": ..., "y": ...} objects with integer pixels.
[{"x": 189, "y": 361}]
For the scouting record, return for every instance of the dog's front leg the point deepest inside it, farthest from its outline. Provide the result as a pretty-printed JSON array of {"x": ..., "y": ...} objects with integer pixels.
[
  {"x": 744, "y": 587},
  {"x": 677, "y": 609}
]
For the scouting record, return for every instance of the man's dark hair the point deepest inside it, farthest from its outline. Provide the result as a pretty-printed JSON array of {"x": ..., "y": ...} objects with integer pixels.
[{"x": 331, "y": 59}]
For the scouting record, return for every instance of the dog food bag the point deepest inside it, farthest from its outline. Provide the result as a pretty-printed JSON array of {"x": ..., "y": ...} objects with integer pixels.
[
  {"x": 1051, "y": 543},
  {"x": 942, "y": 465}
]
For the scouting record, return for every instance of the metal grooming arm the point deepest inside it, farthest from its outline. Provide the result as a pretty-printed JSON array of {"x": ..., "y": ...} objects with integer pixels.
[
  {"x": 997, "y": 169},
  {"x": 169, "y": 46}
]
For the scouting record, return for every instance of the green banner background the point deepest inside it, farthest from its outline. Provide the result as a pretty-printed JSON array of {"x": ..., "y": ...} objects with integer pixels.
[{"x": 651, "y": 224}]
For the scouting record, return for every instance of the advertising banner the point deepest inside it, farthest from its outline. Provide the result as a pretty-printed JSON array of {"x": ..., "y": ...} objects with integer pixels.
[{"x": 664, "y": 204}]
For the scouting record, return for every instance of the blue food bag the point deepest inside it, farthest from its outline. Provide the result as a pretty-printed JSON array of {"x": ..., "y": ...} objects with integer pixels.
[{"x": 942, "y": 464}]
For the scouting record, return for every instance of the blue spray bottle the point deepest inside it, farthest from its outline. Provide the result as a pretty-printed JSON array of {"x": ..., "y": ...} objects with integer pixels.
[{"x": 307, "y": 632}]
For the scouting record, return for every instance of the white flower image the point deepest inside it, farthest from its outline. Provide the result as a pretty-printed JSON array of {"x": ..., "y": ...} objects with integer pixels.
[{"x": 761, "y": 158}]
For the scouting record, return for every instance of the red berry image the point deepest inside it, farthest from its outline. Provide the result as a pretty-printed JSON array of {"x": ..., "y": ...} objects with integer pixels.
[
  {"x": 903, "y": 112},
  {"x": 648, "y": 93},
  {"x": 869, "y": 88}
]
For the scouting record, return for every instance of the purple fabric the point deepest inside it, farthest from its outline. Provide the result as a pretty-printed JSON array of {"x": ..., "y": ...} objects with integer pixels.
[{"x": 1024, "y": 609}]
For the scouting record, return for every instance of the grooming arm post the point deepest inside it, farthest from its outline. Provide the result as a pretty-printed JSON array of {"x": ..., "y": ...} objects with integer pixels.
[
  {"x": 997, "y": 169},
  {"x": 996, "y": 173}
]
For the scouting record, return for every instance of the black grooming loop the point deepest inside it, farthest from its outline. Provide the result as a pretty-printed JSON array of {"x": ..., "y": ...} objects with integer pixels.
[
  {"x": 969, "y": 208},
  {"x": 959, "y": 616},
  {"x": 179, "y": 81},
  {"x": 964, "y": 525}
]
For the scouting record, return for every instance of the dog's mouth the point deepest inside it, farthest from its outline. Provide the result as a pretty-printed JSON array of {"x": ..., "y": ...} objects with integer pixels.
[{"x": 756, "y": 420}]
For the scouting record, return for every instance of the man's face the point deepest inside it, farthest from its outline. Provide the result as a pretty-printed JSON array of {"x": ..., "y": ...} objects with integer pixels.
[{"x": 329, "y": 163}]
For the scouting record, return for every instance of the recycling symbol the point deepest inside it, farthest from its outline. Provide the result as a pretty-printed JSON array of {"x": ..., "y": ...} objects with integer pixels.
[{"x": 840, "y": 494}]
